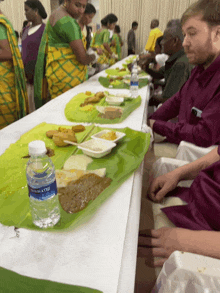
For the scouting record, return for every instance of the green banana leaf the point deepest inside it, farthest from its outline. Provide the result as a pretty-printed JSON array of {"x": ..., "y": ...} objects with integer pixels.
[
  {"x": 74, "y": 113},
  {"x": 142, "y": 73},
  {"x": 14, "y": 201},
  {"x": 119, "y": 84},
  {"x": 117, "y": 72},
  {"x": 13, "y": 282}
]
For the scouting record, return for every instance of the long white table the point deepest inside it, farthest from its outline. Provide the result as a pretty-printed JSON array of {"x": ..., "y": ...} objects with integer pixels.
[{"x": 101, "y": 253}]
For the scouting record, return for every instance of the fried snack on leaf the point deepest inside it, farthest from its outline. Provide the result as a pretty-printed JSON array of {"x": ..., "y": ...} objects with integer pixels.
[
  {"x": 78, "y": 128},
  {"x": 50, "y": 133},
  {"x": 60, "y": 137}
]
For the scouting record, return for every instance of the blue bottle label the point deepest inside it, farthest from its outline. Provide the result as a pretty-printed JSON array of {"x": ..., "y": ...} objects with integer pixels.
[
  {"x": 134, "y": 83},
  {"x": 43, "y": 193}
]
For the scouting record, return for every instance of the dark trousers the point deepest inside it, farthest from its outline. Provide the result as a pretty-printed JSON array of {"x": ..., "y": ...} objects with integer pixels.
[{"x": 130, "y": 52}]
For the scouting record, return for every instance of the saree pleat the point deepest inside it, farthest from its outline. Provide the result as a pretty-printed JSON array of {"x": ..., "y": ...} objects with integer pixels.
[{"x": 13, "y": 92}]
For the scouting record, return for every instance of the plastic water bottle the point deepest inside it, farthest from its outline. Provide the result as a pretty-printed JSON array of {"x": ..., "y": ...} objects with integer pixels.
[
  {"x": 134, "y": 83},
  {"x": 42, "y": 186}
]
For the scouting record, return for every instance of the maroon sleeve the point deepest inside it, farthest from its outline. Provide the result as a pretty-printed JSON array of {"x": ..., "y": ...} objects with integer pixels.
[
  {"x": 169, "y": 109},
  {"x": 205, "y": 133}
]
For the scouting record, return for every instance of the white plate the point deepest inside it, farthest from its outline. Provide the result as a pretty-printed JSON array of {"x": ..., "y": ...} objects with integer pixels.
[
  {"x": 114, "y": 100},
  {"x": 96, "y": 148},
  {"x": 98, "y": 135}
]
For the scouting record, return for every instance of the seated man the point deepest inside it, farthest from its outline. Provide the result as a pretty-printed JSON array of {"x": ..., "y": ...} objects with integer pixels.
[
  {"x": 197, "y": 103},
  {"x": 177, "y": 69},
  {"x": 201, "y": 212}
]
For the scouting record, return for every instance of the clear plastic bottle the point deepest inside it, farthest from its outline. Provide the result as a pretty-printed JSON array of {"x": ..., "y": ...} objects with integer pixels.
[
  {"x": 42, "y": 186},
  {"x": 134, "y": 83}
]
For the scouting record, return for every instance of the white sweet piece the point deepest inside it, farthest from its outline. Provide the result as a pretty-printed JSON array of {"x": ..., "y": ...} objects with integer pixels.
[
  {"x": 77, "y": 162},
  {"x": 114, "y": 100}
]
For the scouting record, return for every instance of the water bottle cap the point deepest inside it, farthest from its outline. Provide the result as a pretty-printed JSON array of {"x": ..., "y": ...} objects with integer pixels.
[{"x": 37, "y": 147}]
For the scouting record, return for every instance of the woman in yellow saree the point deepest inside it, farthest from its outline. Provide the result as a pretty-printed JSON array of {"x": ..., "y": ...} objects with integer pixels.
[
  {"x": 62, "y": 59},
  {"x": 13, "y": 93}
]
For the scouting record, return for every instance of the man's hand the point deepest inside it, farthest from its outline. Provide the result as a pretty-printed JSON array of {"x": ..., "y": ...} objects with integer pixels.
[
  {"x": 155, "y": 100},
  {"x": 161, "y": 185},
  {"x": 160, "y": 243},
  {"x": 151, "y": 123}
]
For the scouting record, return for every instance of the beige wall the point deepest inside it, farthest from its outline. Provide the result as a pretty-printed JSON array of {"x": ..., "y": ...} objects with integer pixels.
[
  {"x": 14, "y": 11},
  {"x": 142, "y": 11}
]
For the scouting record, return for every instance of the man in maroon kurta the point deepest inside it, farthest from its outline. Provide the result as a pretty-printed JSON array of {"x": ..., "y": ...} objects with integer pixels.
[
  {"x": 198, "y": 222},
  {"x": 197, "y": 104}
]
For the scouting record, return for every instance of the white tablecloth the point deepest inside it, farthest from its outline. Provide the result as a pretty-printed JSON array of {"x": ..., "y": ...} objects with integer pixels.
[{"x": 101, "y": 253}]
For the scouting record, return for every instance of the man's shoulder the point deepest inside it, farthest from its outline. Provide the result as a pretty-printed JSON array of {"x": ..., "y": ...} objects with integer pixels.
[
  {"x": 183, "y": 60},
  {"x": 156, "y": 31}
]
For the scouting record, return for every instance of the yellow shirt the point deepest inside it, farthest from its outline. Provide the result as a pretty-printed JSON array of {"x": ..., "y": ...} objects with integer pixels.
[{"x": 154, "y": 34}]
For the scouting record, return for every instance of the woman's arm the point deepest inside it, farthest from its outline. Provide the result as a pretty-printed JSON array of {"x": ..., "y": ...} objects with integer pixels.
[
  {"x": 161, "y": 185},
  {"x": 79, "y": 51},
  {"x": 107, "y": 47},
  {"x": 5, "y": 51}
]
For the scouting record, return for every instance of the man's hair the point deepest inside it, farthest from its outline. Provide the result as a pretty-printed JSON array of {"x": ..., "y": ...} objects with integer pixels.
[
  {"x": 158, "y": 41},
  {"x": 134, "y": 24},
  {"x": 90, "y": 9},
  {"x": 174, "y": 28},
  {"x": 117, "y": 29},
  {"x": 209, "y": 9},
  {"x": 155, "y": 22}
]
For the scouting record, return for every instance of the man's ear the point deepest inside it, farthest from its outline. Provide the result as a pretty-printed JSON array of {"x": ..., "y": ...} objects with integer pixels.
[
  {"x": 217, "y": 33},
  {"x": 176, "y": 41}
]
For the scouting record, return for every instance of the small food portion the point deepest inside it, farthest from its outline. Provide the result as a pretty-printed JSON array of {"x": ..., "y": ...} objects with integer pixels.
[
  {"x": 114, "y": 100},
  {"x": 111, "y": 135},
  {"x": 112, "y": 113},
  {"x": 116, "y": 78},
  {"x": 77, "y": 162},
  {"x": 86, "y": 108},
  {"x": 106, "y": 134},
  {"x": 96, "y": 148},
  {"x": 63, "y": 133},
  {"x": 50, "y": 133},
  {"x": 59, "y": 138},
  {"x": 77, "y": 194},
  {"x": 63, "y": 177},
  {"x": 93, "y": 100},
  {"x": 88, "y": 93},
  {"x": 49, "y": 153},
  {"x": 78, "y": 128}
]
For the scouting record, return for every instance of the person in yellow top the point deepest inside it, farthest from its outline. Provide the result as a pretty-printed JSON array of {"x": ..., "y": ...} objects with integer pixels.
[{"x": 154, "y": 34}]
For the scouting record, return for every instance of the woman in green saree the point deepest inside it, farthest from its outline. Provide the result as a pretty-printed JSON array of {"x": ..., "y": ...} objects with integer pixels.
[
  {"x": 84, "y": 21},
  {"x": 102, "y": 40},
  {"x": 62, "y": 58},
  {"x": 117, "y": 42},
  {"x": 13, "y": 93}
]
